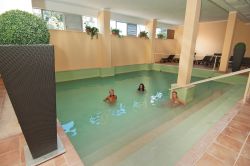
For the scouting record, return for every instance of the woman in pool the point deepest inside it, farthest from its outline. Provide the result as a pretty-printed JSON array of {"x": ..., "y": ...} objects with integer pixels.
[
  {"x": 141, "y": 88},
  {"x": 175, "y": 101},
  {"x": 111, "y": 98}
]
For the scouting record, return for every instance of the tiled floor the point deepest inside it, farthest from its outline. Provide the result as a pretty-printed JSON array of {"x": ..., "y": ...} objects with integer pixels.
[
  {"x": 232, "y": 146},
  {"x": 12, "y": 153},
  {"x": 9, "y": 125},
  {"x": 12, "y": 140}
]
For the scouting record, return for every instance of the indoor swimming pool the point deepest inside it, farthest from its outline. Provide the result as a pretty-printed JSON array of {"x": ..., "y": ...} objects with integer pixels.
[{"x": 140, "y": 129}]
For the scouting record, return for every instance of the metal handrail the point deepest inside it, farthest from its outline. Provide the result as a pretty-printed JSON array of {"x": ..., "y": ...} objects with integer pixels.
[
  {"x": 247, "y": 91},
  {"x": 212, "y": 79}
]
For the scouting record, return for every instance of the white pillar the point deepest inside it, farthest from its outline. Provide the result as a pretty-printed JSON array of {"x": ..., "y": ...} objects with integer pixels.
[
  {"x": 247, "y": 91},
  {"x": 232, "y": 18},
  {"x": 104, "y": 24},
  {"x": 25, "y": 5},
  {"x": 190, "y": 30},
  {"x": 151, "y": 28}
]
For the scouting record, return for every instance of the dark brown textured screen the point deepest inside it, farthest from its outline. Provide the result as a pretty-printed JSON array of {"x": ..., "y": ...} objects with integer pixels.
[{"x": 29, "y": 77}]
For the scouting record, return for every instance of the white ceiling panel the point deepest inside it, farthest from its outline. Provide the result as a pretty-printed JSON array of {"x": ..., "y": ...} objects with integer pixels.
[{"x": 167, "y": 11}]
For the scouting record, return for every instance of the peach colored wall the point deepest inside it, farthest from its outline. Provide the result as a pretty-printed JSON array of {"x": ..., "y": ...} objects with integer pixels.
[
  {"x": 129, "y": 50},
  {"x": 75, "y": 50},
  {"x": 164, "y": 48},
  {"x": 178, "y": 38},
  {"x": 242, "y": 34},
  {"x": 210, "y": 38}
]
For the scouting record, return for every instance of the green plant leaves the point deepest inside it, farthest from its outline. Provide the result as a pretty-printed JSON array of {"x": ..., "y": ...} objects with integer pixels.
[{"x": 22, "y": 28}]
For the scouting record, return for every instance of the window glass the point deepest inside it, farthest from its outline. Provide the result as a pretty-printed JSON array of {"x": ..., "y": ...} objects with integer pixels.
[
  {"x": 55, "y": 20},
  {"x": 158, "y": 31},
  {"x": 122, "y": 27},
  {"x": 112, "y": 24},
  {"x": 89, "y": 21},
  {"x": 37, "y": 12},
  {"x": 162, "y": 31},
  {"x": 132, "y": 29},
  {"x": 140, "y": 28}
]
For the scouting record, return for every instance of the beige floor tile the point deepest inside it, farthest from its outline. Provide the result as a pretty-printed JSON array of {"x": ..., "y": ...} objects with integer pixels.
[
  {"x": 208, "y": 160},
  {"x": 246, "y": 151},
  {"x": 239, "y": 126},
  {"x": 242, "y": 161},
  {"x": 60, "y": 160},
  {"x": 227, "y": 156},
  {"x": 242, "y": 120},
  {"x": 8, "y": 145},
  {"x": 10, "y": 159},
  {"x": 229, "y": 142},
  {"x": 248, "y": 140},
  {"x": 234, "y": 133}
]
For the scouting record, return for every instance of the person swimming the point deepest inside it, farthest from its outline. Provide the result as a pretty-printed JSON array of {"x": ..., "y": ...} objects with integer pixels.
[
  {"x": 141, "y": 87},
  {"x": 111, "y": 98},
  {"x": 175, "y": 99}
]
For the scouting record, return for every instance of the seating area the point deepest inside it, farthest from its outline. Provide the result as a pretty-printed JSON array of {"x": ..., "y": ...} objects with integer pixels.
[{"x": 208, "y": 61}]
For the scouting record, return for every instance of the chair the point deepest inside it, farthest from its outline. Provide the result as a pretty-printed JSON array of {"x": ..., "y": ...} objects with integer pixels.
[
  {"x": 204, "y": 61},
  {"x": 168, "y": 59},
  {"x": 246, "y": 62},
  {"x": 215, "y": 59}
]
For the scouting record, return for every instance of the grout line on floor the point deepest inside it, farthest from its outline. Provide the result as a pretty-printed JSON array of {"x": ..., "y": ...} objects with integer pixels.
[
  {"x": 225, "y": 122},
  {"x": 241, "y": 149}
]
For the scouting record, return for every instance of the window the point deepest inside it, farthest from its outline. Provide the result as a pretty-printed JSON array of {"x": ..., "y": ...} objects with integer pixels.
[
  {"x": 89, "y": 21},
  {"x": 127, "y": 28},
  {"x": 140, "y": 28},
  {"x": 37, "y": 12},
  {"x": 55, "y": 20},
  {"x": 162, "y": 31},
  {"x": 112, "y": 24},
  {"x": 73, "y": 22},
  {"x": 122, "y": 27},
  {"x": 132, "y": 29}
]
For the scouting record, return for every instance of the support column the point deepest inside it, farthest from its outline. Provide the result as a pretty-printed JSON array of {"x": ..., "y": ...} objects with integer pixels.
[
  {"x": 247, "y": 91},
  {"x": 232, "y": 18},
  {"x": 104, "y": 25},
  {"x": 151, "y": 28},
  {"x": 24, "y": 5},
  {"x": 190, "y": 31},
  {"x": 188, "y": 42}
]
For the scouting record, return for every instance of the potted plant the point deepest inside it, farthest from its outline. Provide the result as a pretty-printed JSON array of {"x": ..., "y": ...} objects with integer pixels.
[
  {"x": 27, "y": 68},
  {"x": 116, "y": 32},
  {"x": 160, "y": 36},
  {"x": 88, "y": 29},
  {"x": 143, "y": 34},
  {"x": 92, "y": 31}
]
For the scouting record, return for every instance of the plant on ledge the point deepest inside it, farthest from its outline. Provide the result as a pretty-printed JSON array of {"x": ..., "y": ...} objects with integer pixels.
[
  {"x": 116, "y": 32},
  {"x": 161, "y": 36},
  {"x": 92, "y": 31},
  {"x": 143, "y": 34}
]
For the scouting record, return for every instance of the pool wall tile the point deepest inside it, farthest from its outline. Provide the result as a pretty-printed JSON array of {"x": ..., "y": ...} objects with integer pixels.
[
  {"x": 107, "y": 72},
  {"x": 63, "y": 76}
]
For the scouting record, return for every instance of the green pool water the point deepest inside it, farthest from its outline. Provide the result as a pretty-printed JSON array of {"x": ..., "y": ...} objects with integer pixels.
[{"x": 97, "y": 130}]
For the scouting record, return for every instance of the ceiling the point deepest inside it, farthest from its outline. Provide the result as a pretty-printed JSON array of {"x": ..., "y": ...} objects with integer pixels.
[
  {"x": 241, "y": 6},
  {"x": 167, "y": 11}
]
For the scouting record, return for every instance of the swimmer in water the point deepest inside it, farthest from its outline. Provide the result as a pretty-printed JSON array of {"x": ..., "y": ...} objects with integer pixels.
[
  {"x": 141, "y": 88},
  {"x": 111, "y": 98},
  {"x": 175, "y": 101}
]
